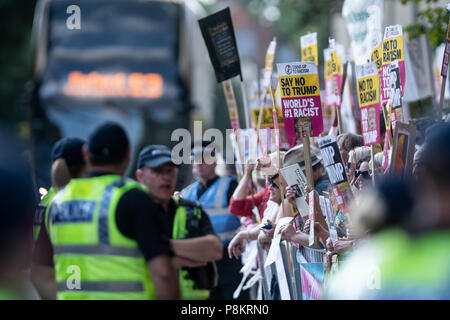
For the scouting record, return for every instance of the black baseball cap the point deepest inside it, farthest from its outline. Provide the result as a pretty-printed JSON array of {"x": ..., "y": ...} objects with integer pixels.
[
  {"x": 108, "y": 144},
  {"x": 70, "y": 149},
  {"x": 154, "y": 156}
]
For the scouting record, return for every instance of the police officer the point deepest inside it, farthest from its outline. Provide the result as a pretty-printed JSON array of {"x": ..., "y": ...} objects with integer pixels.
[
  {"x": 67, "y": 163},
  {"x": 194, "y": 242},
  {"x": 102, "y": 238},
  {"x": 214, "y": 193}
]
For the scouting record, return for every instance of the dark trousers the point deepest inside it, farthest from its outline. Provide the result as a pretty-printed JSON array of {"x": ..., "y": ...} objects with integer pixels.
[{"x": 229, "y": 279}]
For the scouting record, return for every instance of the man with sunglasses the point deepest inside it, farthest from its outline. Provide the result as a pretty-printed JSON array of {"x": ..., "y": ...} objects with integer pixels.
[
  {"x": 362, "y": 176},
  {"x": 320, "y": 178}
]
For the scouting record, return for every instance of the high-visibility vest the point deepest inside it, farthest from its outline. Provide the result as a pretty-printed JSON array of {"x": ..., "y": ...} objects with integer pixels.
[
  {"x": 179, "y": 231},
  {"x": 40, "y": 212},
  {"x": 214, "y": 201},
  {"x": 92, "y": 259}
]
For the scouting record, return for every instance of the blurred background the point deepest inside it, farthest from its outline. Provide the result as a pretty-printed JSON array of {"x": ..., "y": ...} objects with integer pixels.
[{"x": 144, "y": 64}]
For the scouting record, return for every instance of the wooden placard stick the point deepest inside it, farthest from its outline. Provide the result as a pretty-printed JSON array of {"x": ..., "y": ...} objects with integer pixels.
[
  {"x": 234, "y": 117},
  {"x": 338, "y": 110},
  {"x": 304, "y": 131}
]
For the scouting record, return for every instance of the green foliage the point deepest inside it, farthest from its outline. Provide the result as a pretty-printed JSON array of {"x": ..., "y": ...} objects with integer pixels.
[
  {"x": 298, "y": 17},
  {"x": 431, "y": 21},
  {"x": 16, "y": 19}
]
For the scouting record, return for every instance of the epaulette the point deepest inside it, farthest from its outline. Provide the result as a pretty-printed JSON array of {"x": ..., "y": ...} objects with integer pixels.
[{"x": 189, "y": 203}]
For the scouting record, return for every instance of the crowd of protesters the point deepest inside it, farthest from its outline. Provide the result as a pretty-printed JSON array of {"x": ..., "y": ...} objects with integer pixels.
[{"x": 139, "y": 239}]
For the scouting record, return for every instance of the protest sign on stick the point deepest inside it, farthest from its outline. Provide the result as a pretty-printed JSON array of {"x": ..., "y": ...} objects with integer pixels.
[
  {"x": 300, "y": 98},
  {"x": 311, "y": 236},
  {"x": 218, "y": 33},
  {"x": 387, "y": 138},
  {"x": 325, "y": 205},
  {"x": 308, "y": 46},
  {"x": 296, "y": 180},
  {"x": 392, "y": 51},
  {"x": 270, "y": 55},
  {"x": 368, "y": 88},
  {"x": 444, "y": 71},
  {"x": 395, "y": 89},
  {"x": 403, "y": 149},
  {"x": 336, "y": 171}
]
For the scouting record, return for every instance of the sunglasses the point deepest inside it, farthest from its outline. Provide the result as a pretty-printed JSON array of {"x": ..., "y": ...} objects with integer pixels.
[
  {"x": 272, "y": 182},
  {"x": 365, "y": 174}
]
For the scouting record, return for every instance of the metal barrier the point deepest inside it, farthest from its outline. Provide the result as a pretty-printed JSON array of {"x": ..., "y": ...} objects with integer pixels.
[{"x": 312, "y": 255}]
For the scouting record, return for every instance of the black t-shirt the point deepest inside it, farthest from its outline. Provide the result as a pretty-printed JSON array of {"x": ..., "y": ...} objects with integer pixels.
[
  {"x": 137, "y": 217},
  {"x": 196, "y": 227}
]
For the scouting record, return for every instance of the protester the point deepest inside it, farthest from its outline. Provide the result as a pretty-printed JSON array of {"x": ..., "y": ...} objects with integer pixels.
[
  {"x": 363, "y": 176},
  {"x": 242, "y": 203},
  {"x": 407, "y": 256},
  {"x": 194, "y": 242},
  {"x": 347, "y": 142},
  {"x": 106, "y": 230},
  {"x": 355, "y": 158},
  {"x": 269, "y": 215},
  {"x": 67, "y": 163},
  {"x": 213, "y": 192},
  {"x": 320, "y": 177}
]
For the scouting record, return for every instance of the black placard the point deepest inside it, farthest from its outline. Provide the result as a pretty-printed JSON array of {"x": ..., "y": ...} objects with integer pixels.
[
  {"x": 218, "y": 33},
  {"x": 332, "y": 160}
]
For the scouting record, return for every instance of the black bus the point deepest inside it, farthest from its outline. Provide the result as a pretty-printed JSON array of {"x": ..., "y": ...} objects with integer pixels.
[{"x": 137, "y": 62}]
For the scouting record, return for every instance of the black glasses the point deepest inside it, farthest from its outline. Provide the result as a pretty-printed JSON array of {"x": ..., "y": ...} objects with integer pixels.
[
  {"x": 272, "y": 182},
  {"x": 365, "y": 174}
]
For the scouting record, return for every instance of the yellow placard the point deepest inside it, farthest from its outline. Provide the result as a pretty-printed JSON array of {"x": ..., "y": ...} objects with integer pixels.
[
  {"x": 299, "y": 86},
  {"x": 334, "y": 62},
  {"x": 376, "y": 57},
  {"x": 368, "y": 90},
  {"x": 310, "y": 53},
  {"x": 393, "y": 50},
  {"x": 267, "y": 117},
  {"x": 328, "y": 71}
]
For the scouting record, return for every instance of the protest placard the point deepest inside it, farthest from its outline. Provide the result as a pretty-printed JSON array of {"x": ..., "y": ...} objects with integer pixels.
[
  {"x": 296, "y": 180},
  {"x": 309, "y": 51},
  {"x": 395, "y": 95},
  {"x": 325, "y": 205},
  {"x": 266, "y": 82},
  {"x": 300, "y": 98},
  {"x": 275, "y": 244},
  {"x": 336, "y": 57},
  {"x": 334, "y": 165},
  {"x": 387, "y": 136},
  {"x": 444, "y": 70},
  {"x": 266, "y": 116},
  {"x": 311, "y": 236},
  {"x": 419, "y": 73},
  {"x": 330, "y": 97},
  {"x": 218, "y": 33},
  {"x": 403, "y": 149},
  {"x": 377, "y": 53},
  {"x": 392, "y": 51},
  {"x": 312, "y": 276},
  {"x": 368, "y": 88},
  {"x": 231, "y": 103}
]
